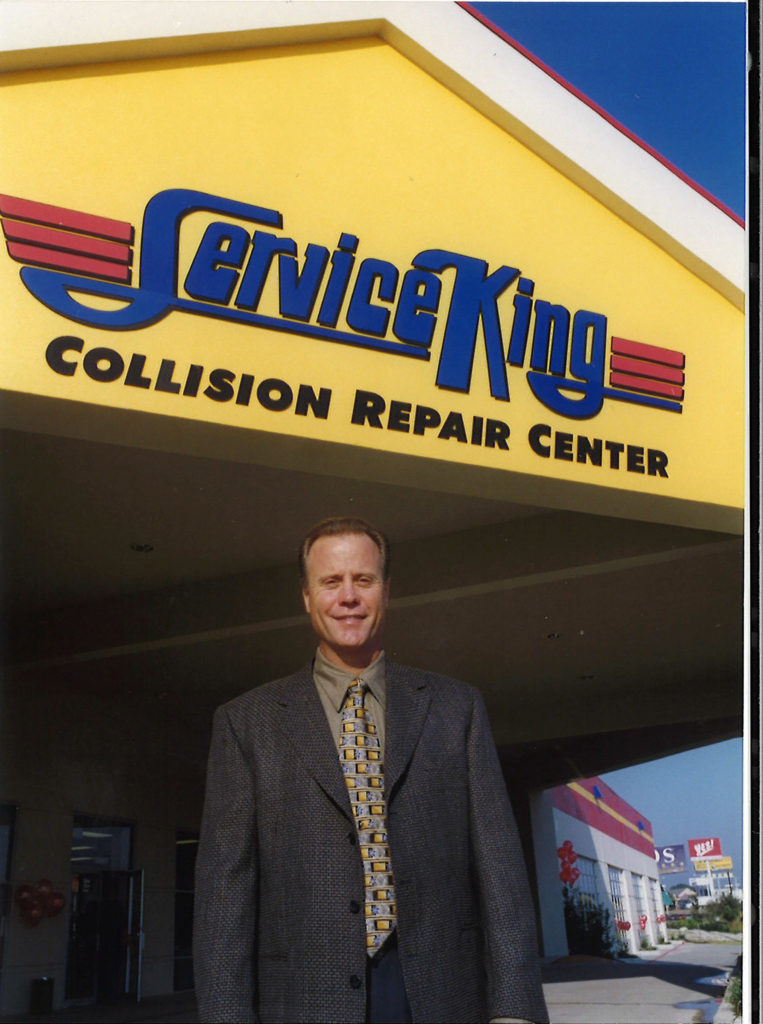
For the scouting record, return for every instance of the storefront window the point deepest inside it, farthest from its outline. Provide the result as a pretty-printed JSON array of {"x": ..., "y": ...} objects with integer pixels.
[
  {"x": 656, "y": 902},
  {"x": 587, "y": 885},
  {"x": 617, "y": 895},
  {"x": 100, "y": 845},
  {"x": 106, "y": 907},
  {"x": 639, "y": 904}
]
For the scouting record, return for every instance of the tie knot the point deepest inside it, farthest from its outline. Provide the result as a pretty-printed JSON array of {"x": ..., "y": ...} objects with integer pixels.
[{"x": 357, "y": 687}]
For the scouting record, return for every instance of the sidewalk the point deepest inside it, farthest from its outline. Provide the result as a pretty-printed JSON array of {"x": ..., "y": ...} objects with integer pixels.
[
  {"x": 678, "y": 984},
  {"x": 683, "y": 983},
  {"x": 175, "y": 1008}
]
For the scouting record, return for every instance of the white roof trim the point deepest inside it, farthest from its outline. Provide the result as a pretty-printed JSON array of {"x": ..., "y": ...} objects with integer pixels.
[{"x": 450, "y": 44}]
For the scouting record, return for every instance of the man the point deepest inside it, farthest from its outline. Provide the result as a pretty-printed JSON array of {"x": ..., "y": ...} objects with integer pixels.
[{"x": 358, "y": 858}]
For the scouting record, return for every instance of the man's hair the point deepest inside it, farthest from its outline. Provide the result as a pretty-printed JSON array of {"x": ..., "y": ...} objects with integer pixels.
[{"x": 337, "y": 526}]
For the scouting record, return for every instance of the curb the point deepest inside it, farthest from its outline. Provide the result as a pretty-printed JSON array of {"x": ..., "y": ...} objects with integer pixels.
[
  {"x": 675, "y": 945},
  {"x": 645, "y": 957},
  {"x": 725, "y": 1013}
]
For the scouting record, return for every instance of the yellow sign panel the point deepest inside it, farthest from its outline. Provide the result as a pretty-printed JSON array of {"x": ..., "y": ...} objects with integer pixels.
[
  {"x": 720, "y": 864},
  {"x": 323, "y": 242}
]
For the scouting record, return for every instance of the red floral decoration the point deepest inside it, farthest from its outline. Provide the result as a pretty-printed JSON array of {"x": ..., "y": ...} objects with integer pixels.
[
  {"x": 567, "y": 857},
  {"x": 623, "y": 926},
  {"x": 661, "y": 919},
  {"x": 642, "y": 922},
  {"x": 38, "y": 901}
]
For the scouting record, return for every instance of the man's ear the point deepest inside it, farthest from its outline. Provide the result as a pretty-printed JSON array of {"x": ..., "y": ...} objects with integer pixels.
[{"x": 306, "y": 599}]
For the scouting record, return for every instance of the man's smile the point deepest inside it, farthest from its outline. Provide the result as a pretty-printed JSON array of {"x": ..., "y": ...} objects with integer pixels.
[{"x": 346, "y": 597}]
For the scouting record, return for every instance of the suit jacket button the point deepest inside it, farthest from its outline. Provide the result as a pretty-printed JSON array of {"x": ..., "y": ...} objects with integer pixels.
[
  {"x": 355, "y": 981},
  {"x": 354, "y": 907}
]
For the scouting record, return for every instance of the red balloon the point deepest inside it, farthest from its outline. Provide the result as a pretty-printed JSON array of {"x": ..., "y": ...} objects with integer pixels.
[
  {"x": 55, "y": 904},
  {"x": 44, "y": 886},
  {"x": 572, "y": 856},
  {"x": 575, "y": 874},
  {"x": 33, "y": 915},
  {"x": 24, "y": 895}
]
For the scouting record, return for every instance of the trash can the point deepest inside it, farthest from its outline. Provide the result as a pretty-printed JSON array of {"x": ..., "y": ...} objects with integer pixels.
[{"x": 41, "y": 1000}]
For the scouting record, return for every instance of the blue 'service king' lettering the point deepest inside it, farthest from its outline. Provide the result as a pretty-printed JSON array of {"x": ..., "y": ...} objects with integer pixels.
[{"x": 256, "y": 275}]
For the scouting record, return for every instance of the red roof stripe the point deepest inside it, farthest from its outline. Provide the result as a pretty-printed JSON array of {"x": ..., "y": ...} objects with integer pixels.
[
  {"x": 60, "y": 217},
  {"x": 593, "y": 814},
  {"x": 602, "y": 113}
]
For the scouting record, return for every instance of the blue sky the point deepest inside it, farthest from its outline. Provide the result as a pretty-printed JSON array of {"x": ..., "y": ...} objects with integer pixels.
[
  {"x": 672, "y": 73},
  {"x": 689, "y": 796}
]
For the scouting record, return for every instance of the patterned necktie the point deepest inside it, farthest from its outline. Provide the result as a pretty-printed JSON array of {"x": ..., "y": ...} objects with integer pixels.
[{"x": 360, "y": 756}]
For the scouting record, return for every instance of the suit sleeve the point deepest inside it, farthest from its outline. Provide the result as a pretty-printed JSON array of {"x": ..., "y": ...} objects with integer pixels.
[
  {"x": 225, "y": 905},
  {"x": 507, "y": 914}
]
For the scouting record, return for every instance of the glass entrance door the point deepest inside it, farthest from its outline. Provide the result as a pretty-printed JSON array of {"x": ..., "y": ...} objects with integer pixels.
[
  {"x": 134, "y": 963},
  {"x": 105, "y": 949},
  {"x": 105, "y": 937}
]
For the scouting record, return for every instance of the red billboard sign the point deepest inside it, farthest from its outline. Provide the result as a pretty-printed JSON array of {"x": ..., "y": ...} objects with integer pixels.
[{"x": 705, "y": 849}]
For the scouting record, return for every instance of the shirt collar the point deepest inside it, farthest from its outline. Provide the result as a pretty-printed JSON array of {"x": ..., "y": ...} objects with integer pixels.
[{"x": 334, "y": 680}]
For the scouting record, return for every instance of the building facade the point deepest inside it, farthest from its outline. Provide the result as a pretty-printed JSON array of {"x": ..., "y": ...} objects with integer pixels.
[
  {"x": 265, "y": 263},
  {"x": 604, "y": 861}
]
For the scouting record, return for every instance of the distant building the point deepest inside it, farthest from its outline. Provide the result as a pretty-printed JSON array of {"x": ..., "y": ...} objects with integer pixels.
[
  {"x": 602, "y": 850},
  {"x": 684, "y": 898},
  {"x": 714, "y": 884}
]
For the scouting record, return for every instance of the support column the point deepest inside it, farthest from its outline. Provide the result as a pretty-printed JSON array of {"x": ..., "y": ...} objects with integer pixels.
[{"x": 553, "y": 932}]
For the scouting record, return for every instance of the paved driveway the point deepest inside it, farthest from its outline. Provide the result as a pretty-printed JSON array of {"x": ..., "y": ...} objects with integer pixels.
[{"x": 674, "y": 988}]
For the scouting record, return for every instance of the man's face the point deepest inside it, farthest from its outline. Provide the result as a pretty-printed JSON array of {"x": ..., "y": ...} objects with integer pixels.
[{"x": 346, "y": 598}]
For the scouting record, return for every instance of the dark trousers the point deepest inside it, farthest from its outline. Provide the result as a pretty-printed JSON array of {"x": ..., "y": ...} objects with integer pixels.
[{"x": 387, "y": 1002}]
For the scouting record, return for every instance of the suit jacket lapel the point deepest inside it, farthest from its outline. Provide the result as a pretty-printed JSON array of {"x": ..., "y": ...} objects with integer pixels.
[
  {"x": 408, "y": 698},
  {"x": 303, "y": 720}
]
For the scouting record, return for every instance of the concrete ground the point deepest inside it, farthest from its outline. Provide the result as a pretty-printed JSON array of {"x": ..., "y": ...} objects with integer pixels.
[
  {"x": 671, "y": 986},
  {"x": 681, "y": 984}
]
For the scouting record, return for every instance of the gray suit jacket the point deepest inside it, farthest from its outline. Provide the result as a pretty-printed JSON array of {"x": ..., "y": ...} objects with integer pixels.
[{"x": 278, "y": 935}]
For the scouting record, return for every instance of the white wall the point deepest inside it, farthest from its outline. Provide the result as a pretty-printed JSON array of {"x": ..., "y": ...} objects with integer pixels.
[{"x": 606, "y": 851}]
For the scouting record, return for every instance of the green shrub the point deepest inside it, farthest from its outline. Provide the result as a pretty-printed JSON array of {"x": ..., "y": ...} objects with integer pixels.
[
  {"x": 734, "y": 995},
  {"x": 722, "y": 915},
  {"x": 588, "y": 926}
]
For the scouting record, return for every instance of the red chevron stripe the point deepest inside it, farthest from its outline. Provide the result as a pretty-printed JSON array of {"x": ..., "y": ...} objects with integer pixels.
[
  {"x": 650, "y": 387},
  {"x": 667, "y": 356},
  {"x": 641, "y": 368},
  {"x": 19, "y": 231},
  {"x": 38, "y": 257},
  {"x": 58, "y": 216}
]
